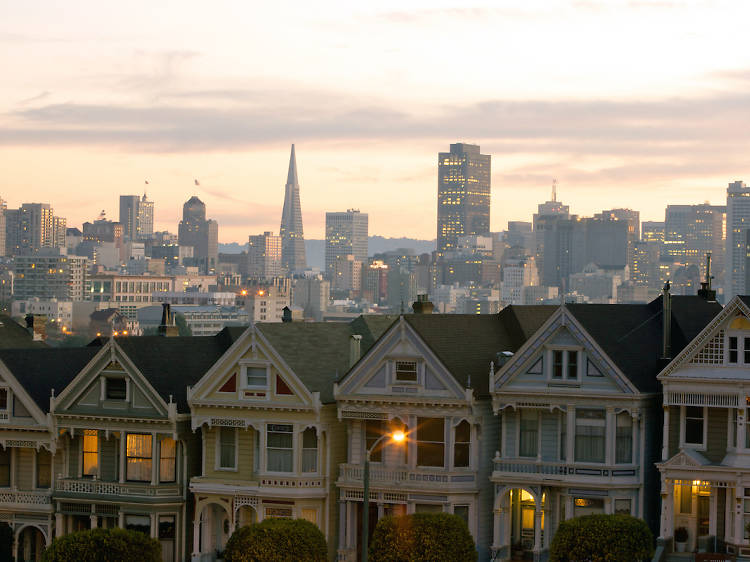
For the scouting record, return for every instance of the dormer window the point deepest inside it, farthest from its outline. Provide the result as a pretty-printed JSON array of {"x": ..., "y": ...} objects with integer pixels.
[
  {"x": 564, "y": 364},
  {"x": 406, "y": 371},
  {"x": 255, "y": 381},
  {"x": 116, "y": 388},
  {"x": 257, "y": 377}
]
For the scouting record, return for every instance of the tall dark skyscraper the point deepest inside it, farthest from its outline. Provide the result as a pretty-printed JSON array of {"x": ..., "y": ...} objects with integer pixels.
[
  {"x": 203, "y": 235},
  {"x": 292, "y": 237},
  {"x": 463, "y": 195}
]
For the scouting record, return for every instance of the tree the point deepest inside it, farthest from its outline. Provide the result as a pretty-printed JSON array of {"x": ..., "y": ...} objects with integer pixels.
[
  {"x": 599, "y": 538},
  {"x": 182, "y": 326},
  {"x": 277, "y": 540},
  {"x": 103, "y": 545},
  {"x": 422, "y": 537}
]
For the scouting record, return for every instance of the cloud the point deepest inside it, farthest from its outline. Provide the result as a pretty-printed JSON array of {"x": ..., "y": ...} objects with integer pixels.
[{"x": 39, "y": 97}]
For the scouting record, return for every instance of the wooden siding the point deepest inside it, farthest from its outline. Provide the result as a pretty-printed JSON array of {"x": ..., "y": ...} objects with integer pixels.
[
  {"x": 674, "y": 431},
  {"x": 24, "y": 461},
  {"x": 108, "y": 458},
  {"x": 716, "y": 446}
]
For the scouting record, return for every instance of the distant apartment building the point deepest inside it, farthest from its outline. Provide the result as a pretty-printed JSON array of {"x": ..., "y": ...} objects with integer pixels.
[
  {"x": 32, "y": 227},
  {"x": 265, "y": 303},
  {"x": 693, "y": 231},
  {"x": 517, "y": 274},
  {"x": 375, "y": 281},
  {"x": 346, "y": 234},
  {"x": 57, "y": 311},
  {"x": 264, "y": 256},
  {"x": 127, "y": 288},
  {"x": 312, "y": 295},
  {"x": 346, "y": 276},
  {"x": 464, "y": 182},
  {"x": 137, "y": 217},
  {"x": 49, "y": 274}
]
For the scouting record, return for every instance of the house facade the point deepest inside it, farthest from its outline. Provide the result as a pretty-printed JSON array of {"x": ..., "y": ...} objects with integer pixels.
[
  {"x": 578, "y": 409},
  {"x": 705, "y": 460}
]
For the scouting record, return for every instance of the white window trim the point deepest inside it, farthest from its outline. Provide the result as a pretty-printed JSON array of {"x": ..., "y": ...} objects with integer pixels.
[
  {"x": 538, "y": 432},
  {"x": 302, "y": 451},
  {"x": 452, "y": 458},
  {"x": 8, "y": 400},
  {"x": 591, "y": 423},
  {"x": 242, "y": 385},
  {"x": 98, "y": 457},
  {"x": 740, "y": 335},
  {"x": 694, "y": 446},
  {"x": 217, "y": 455},
  {"x": 548, "y": 364},
  {"x": 614, "y": 504},
  {"x": 296, "y": 459}
]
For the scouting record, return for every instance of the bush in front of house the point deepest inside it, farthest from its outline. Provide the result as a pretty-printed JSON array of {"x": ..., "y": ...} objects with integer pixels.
[
  {"x": 103, "y": 545},
  {"x": 599, "y": 538},
  {"x": 422, "y": 537},
  {"x": 277, "y": 540}
]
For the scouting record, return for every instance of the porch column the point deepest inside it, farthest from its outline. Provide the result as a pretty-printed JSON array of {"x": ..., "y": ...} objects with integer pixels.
[
  {"x": 123, "y": 456},
  {"x": 196, "y": 536},
  {"x": 741, "y": 429},
  {"x": 59, "y": 524},
  {"x": 609, "y": 440},
  {"x": 739, "y": 523},
  {"x": 665, "y": 435},
  {"x": 121, "y": 520},
  {"x": 712, "y": 504},
  {"x": 155, "y": 459},
  {"x": 537, "y": 527},
  {"x": 503, "y": 431},
  {"x": 94, "y": 521},
  {"x": 667, "y": 509},
  {"x": 568, "y": 507},
  {"x": 342, "y": 523},
  {"x": 570, "y": 435},
  {"x": 636, "y": 440}
]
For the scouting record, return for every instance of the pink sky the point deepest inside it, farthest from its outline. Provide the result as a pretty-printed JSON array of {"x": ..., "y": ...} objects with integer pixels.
[{"x": 627, "y": 104}]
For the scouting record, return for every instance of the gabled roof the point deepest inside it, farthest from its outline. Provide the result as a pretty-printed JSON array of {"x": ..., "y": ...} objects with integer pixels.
[
  {"x": 170, "y": 364},
  {"x": 41, "y": 370},
  {"x": 318, "y": 352},
  {"x": 631, "y": 334},
  {"x": 467, "y": 343},
  {"x": 15, "y": 336}
]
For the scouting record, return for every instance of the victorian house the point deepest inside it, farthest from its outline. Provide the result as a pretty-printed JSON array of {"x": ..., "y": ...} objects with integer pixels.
[
  {"x": 270, "y": 437},
  {"x": 426, "y": 376},
  {"x": 705, "y": 460},
  {"x": 578, "y": 408},
  {"x": 125, "y": 448}
]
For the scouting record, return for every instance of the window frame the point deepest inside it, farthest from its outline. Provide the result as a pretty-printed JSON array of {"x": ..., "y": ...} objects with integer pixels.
[
  {"x": 291, "y": 432},
  {"x": 128, "y": 456},
  {"x": 463, "y": 444},
  {"x": 106, "y": 389},
  {"x": 174, "y": 461},
  {"x": 442, "y": 443},
  {"x": 552, "y": 365},
  {"x": 234, "y": 467},
  {"x": 84, "y": 452},
  {"x": 528, "y": 412},
  {"x": 590, "y": 422},
  {"x": 36, "y": 470},
  {"x": 254, "y": 392},
  {"x": 683, "y": 429},
  {"x": 8, "y": 399},
  {"x": 399, "y": 381},
  {"x": 308, "y": 449}
]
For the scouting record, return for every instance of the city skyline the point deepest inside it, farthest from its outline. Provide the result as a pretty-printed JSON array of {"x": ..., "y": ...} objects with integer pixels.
[{"x": 628, "y": 123}]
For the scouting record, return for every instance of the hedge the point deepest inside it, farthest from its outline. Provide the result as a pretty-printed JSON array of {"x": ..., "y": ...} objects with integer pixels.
[
  {"x": 277, "y": 540},
  {"x": 422, "y": 537},
  {"x": 600, "y": 538},
  {"x": 103, "y": 545}
]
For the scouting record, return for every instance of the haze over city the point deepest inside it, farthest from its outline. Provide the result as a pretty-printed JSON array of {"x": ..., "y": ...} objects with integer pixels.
[{"x": 627, "y": 104}]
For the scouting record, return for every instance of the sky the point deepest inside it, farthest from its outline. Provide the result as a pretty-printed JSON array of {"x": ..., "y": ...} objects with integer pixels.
[{"x": 626, "y": 103}]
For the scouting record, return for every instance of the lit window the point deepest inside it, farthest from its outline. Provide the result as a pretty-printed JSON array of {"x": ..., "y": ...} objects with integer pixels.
[
  {"x": 167, "y": 466},
  {"x": 138, "y": 462},
  {"x": 90, "y": 452}
]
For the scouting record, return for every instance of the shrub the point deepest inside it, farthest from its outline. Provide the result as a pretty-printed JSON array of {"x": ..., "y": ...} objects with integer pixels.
[
  {"x": 422, "y": 537},
  {"x": 103, "y": 545},
  {"x": 277, "y": 540},
  {"x": 598, "y": 538}
]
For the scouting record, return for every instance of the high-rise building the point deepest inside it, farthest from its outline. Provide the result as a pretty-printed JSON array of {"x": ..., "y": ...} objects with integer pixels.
[
  {"x": 3, "y": 212},
  {"x": 48, "y": 274},
  {"x": 463, "y": 195},
  {"x": 264, "y": 256},
  {"x": 292, "y": 236},
  {"x": 136, "y": 217},
  {"x": 738, "y": 222},
  {"x": 346, "y": 234},
  {"x": 691, "y": 232},
  {"x": 652, "y": 231},
  {"x": 200, "y": 233}
]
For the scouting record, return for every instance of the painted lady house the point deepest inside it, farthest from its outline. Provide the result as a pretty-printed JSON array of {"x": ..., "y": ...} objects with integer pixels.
[
  {"x": 578, "y": 407},
  {"x": 270, "y": 437}
]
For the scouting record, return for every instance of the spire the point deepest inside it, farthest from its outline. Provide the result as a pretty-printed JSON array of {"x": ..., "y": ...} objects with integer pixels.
[
  {"x": 291, "y": 177},
  {"x": 554, "y": 190}
]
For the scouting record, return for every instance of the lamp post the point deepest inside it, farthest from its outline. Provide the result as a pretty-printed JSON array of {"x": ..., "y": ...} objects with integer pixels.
[{"x": 397, "y": 437}]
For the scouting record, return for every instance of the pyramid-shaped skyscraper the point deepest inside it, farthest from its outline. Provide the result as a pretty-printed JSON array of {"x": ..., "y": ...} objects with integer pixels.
[{"x": 292, "y": 237}]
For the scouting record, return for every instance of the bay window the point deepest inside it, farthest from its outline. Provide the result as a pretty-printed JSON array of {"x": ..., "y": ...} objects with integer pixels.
[
  {"x": 694, "y": 425},
  {"x": 309, "y": 450},
  {"x": 4, "y": 468},
  {"x": 590, "y": 435},
  {"x": 624, "y": 439},
  {"x": 529, "y": 434},
  {"x": 374, "y": 429},
  {"x": 431, "y": 442},
  {"x": 90, "y": 452},
  {"x": 279, "y": 448},
  {"x": 462, "y": 445},
  {"x": 138, "y": 457},
  {"x": 167, "y": 456},
  {"x": 43, "y": 469},
  {"x": 228, "y": 448}
]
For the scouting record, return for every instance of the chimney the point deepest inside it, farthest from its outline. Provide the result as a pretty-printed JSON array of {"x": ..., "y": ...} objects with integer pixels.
[
  {"x": 167, "y": 328},
  {"x": 355, "y": 348},
  {"x": 37, "y": 326},
  {"x": 706, "y": 292},
  {"x": 286, "y": 314},
  {"x": 666, "y": 302},
  {"x": 422, "y": 305}
]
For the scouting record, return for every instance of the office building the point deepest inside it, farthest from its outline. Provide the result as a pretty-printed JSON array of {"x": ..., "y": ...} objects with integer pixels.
[
  {"x": 264, "y": 256},
  {"x": 137, "y": 217},
  {"x": 346, "y": 234},
  {"x": 200, "y": 233},
  {"x": 31, "y": 227},
  {"x": 292, "y": 235},
  {"x": 463, "y": 195},
  {"x": 49, "y": 274},
  {"x": 691, "y": 232},
  {"x": 738, "y": 222}
]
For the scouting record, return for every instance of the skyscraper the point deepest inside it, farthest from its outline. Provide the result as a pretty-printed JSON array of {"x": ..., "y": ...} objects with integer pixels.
[
  {"x": 346, "y": 234},
  {"x": 738, "y": 222},
  {"x": 691, "y": 231},
  {"x": 145, "y": 225},
  {"x": 264, "y": 256},
  {"x": 136, "y": 217},
  {"x": 463, "y": 195},
  {"x": 292, "y": 237},
  {"x": 202, "y": 234}
]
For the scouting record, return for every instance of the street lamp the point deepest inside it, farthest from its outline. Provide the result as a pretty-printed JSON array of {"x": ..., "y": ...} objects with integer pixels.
[{"x": 397, "y": 436}]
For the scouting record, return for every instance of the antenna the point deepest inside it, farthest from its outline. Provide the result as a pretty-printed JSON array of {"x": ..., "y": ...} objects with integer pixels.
[{"x": 554, "y": 190}]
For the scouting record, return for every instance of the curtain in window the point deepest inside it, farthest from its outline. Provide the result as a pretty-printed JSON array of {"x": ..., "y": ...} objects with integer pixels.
[
  {"x": 624, "y": 439},
  {"x": 226, "y": 447},
  {"x": 168, "y": 450},
  {"x": 309, "y": 450},
  {"x": 374, "y": 429},
  {"x": 529, "y": 433},
  {"x": 43, "y": 469},
  {"x": 590, "y": 436},
  {"x": 90, "y": 452},
  {"x": 5, "y": 467},
  {"x": 280, "y": 455},
  {"x": 138, "y": 451}
]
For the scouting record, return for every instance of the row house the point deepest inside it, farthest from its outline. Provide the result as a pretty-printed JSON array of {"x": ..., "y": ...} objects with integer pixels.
[
  {"x": 578, "y": 409},
  {"x": 705, "y": 460},
  {"x": 270, "y": 438},
  {"x": 426, "y": 376}
]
